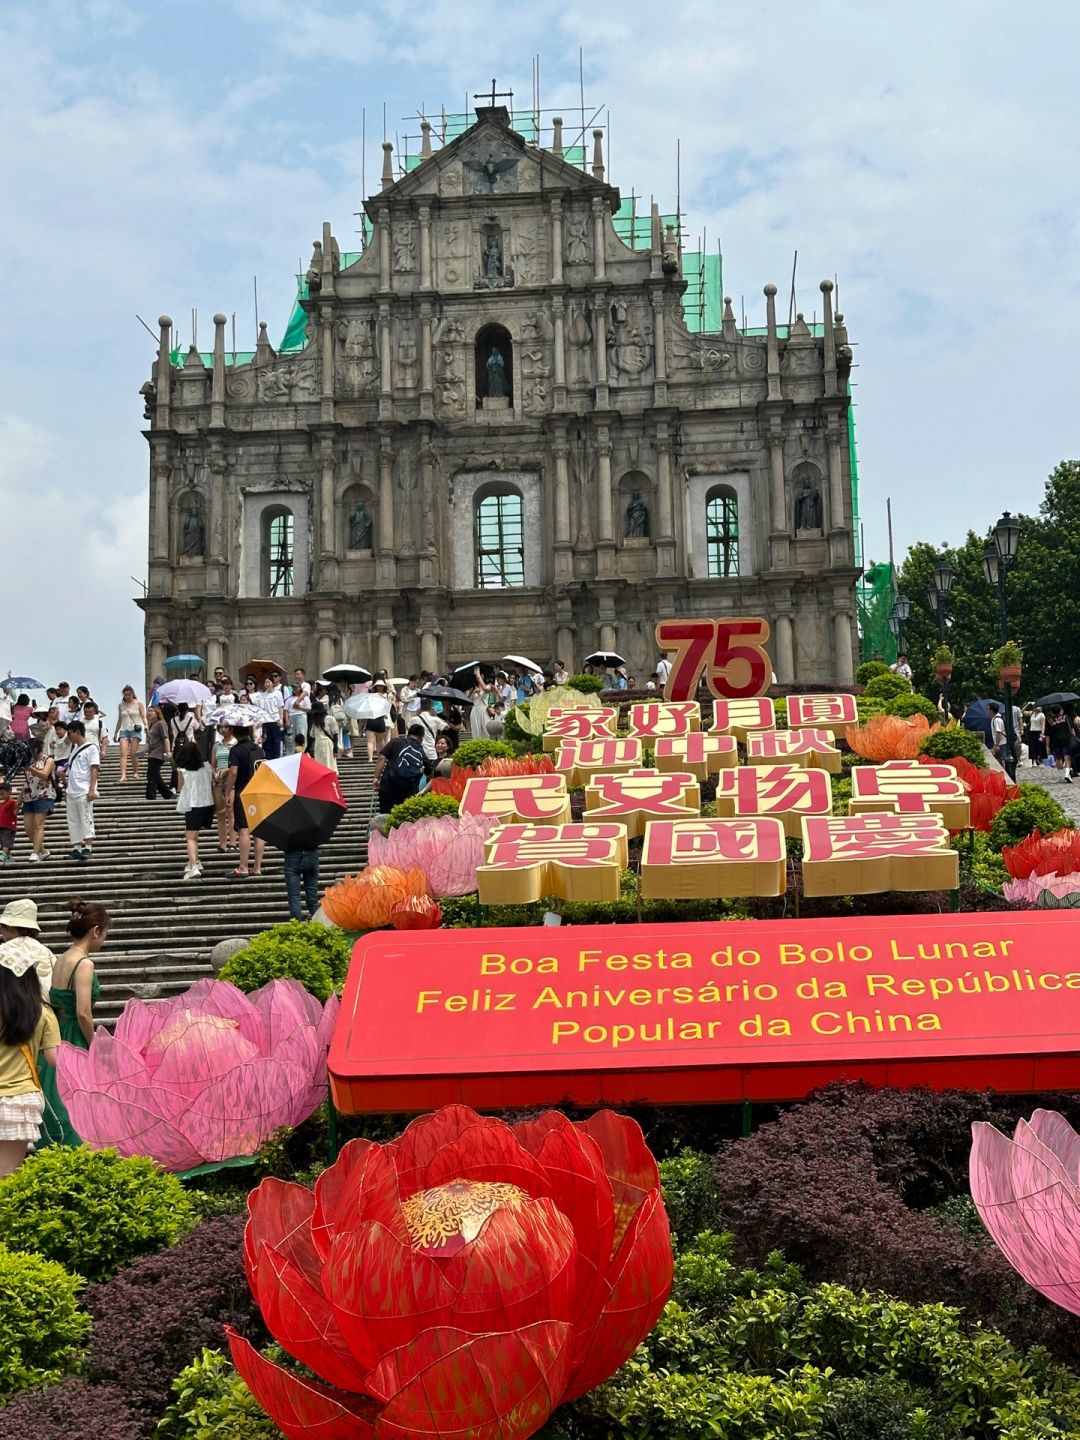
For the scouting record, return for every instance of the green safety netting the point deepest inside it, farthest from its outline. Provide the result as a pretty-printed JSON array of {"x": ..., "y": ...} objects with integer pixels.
[{"x": 875, "y": 595}]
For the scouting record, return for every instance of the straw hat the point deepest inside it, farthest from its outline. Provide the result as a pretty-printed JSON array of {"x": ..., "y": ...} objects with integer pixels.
[{"x": 21, "y": 915}]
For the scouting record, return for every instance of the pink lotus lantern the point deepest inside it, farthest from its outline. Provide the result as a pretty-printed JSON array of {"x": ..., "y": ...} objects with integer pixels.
[
  {"x": 1026, "y": 1190},
  {"x": 447, "y": 848},
  {"x": 203, "y": 1077}
]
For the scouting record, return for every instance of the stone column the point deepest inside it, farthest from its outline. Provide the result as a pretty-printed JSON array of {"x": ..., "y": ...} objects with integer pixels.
[
  {"x": 665, "y": 534},
  {"x": 599, "y": 314},
  {"x": 160, "y": 472},
  {"x": 385, "y": 563},
  {"x": 560, "y": 351},
  {"x": 606, "y": 536},
  {"x": 327, "y": 537},
  {"x": 772, "y": 343},
  {"x": 215, "y": 648},
  {"x": 327, "y": 651},
  {"x": 429, "y": 650},
  {"x": 217, "y": 380},
  {"x": 563, "y": 558},
  {"x": 385, "y": 645},
  {"x": 386, "y": 370},
  {"x": 830, "y": 339},
  {"x": 836, "y": 478},
  {"x": 785, "y": 652},
  {"x": 556, "y": 241},
  {"x": 382, "y": 221},
  {"x": 326, "y": 363},
  {"x": 659, "y": 349},
  {"x": 425, "y": 247},
  {"x": 842, "y": 647},
  {"x": 427, "y": 386},
  {"x": 777, "y": 498},
  {"x": 564, "y": 645},
  {"x": 158, "y": 649},
  {"x": 218, "y": 470},
  {"x": 599, "y": 257},
  {"x": 607, "y": 636},
  {"x": 428, "y": 540},
  {"x": 163, "y": 374}
]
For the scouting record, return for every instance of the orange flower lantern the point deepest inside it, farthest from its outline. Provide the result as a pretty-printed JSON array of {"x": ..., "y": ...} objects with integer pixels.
[
  {"x": 418, "y": 912},
  {"x": 365, "y": 901},
  {"x": 890, "y": 737},
  {"x": 454, "y": 785},
  {"x": 461, "y": 1281}
]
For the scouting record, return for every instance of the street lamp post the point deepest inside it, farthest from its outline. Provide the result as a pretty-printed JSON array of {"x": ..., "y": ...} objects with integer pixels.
[
  {"x": 900, "y": 611},
  {"x": 938, "y": 595},
  {"x": 998, "y": 559}
]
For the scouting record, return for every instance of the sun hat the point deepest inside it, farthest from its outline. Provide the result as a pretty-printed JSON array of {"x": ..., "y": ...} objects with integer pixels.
[{"x": 21, "y": 915}]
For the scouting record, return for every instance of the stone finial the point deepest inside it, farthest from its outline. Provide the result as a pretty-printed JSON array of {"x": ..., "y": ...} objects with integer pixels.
[
  {"x": 387, "y": 164},
  {"x": 425, "y": 140},
  {"x": 772, "y": 344},
  {"x": 165, "y": 325},
  {"x": 217, "y": 383},
  {"x": 556, "y": 136},
  {"x": 830, "y": 339},
  {"x": 731, "y": 330},
  {"x": 598, "y": 154},
  {"x": 264, "y": 351}
]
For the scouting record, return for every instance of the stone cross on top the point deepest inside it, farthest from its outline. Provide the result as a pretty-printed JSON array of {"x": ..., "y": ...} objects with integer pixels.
[{"x": 495, "y": 94}]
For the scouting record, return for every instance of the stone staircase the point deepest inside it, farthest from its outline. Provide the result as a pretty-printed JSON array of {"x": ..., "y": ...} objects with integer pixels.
[{"x": 164, "y": 927}]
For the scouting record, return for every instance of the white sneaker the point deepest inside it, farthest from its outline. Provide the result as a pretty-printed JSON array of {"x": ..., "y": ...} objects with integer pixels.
[
  {"x": 192, "y": 872},
  {"x": 34, "y": 858},
  {"x": 45, "y": 854}
]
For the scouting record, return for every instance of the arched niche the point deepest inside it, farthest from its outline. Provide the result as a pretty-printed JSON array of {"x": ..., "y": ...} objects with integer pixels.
[
  {"x": 807, "y": 499},
  {"x": 636, "y": 519},
  {"x": 189, "y": 526},
  {"x": 357, "y": 512},
  {"x": 493, "y": 352}
]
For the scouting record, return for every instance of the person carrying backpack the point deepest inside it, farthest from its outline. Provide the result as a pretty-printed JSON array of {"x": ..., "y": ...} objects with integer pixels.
[{"x": 400, "y": 768}]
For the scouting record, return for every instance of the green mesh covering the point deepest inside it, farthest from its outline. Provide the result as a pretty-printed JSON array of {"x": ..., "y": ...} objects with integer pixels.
[{"x": 875, "y": 595}]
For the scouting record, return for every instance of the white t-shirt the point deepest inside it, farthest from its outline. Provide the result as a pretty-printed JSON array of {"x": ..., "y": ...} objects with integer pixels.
[
  {"x": 82, "y": 761},
  {"x": 663, "y": 670},
  {"x": 271, "y": 703},
  {"x": 299, "y": 701},
  {"x": 997, "y": 730},
  {"x": 198, "y": 790},
  {"x": 432, "y": 725},
  {"x": 93, "y": 730},
  {"x": 1038, "y": 722}
]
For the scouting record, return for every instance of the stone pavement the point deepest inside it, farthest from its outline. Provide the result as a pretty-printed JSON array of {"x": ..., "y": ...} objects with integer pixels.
[{"x": 1067, "y": 796}]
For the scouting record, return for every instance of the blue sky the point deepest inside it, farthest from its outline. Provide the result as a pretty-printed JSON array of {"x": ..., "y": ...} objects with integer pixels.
[{"x": 156, "y": 157}]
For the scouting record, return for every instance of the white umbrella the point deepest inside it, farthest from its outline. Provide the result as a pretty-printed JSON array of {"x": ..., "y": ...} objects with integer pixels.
[
  {"x": 367, "y": 707},
  {"x": 185, "y": 692},
  {"x": 524, "y": 662},
  {"x": 234, "y": 715}
]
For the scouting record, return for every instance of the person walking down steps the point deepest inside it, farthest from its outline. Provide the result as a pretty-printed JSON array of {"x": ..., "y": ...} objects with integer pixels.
[
  {"x": 196, "y": 802},
  {"x": 83, "y": 768}
]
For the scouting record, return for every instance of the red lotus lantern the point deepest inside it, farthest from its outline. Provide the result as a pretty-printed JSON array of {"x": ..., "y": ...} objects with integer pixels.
[
  {"x": 416, "y": 912},
  {"x": 462, "y": 1280}
]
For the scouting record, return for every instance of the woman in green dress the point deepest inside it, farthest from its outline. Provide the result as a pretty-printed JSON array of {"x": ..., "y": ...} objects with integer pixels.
[{"x": 73, "y": 995}]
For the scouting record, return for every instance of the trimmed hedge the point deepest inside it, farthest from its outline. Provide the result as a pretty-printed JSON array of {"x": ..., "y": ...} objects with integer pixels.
[
  {"x": 905, "y": 705},
  {"x": 1034, "y": 810},
  {"x": 887, "y": 686},
  {"x": 955, "y": 741},
  {"x": 42, "y": 1329},
  {"x": 316, "y": 955},
  {"x": 869, "y": 670},
  {"x": 587, "y": 684},
  {"x": 471, "y": 754},
  {"x": 421, "y": 807},
  {"x": 91, "y": 1211}
]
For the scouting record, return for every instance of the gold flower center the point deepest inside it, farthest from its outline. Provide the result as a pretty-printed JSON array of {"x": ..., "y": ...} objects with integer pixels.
[{"x": 443, "y": 1220}]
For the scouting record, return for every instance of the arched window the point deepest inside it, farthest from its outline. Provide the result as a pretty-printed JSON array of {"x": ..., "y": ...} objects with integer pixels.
[
  {"x": 500, "y": 539},
  {"x": 494, "y": 367},
  {"x": 278, "y": 579},
  {"x": 722, "y": 532}
]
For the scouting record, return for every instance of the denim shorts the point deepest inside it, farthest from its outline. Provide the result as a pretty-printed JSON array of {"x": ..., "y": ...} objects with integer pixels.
[
  {"x": 38, "y": 807},
  {"x": 135, "y": 733}
]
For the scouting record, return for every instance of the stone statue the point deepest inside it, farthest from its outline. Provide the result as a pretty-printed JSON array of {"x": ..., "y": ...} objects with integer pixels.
[
  {"x": 360, "y": 528},
  {"x": 577, "y": 241},
  {"x": 808, "y": 507},
  {"x": 495, "y": 370},
  {"x": 493, "y": 260},
  {"x": 193, "y": 535},
  {"x": 637, "y": 518}
]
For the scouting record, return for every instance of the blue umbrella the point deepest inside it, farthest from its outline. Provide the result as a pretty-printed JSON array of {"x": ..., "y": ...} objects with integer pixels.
[
  {"x": 184, "y": 662},
  {"x": 977, "y": 717},
  {"x": 21, "y": 682}
]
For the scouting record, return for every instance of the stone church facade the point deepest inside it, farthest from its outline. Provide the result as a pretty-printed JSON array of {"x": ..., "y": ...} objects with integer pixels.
[{"x": 501, "y": 436}]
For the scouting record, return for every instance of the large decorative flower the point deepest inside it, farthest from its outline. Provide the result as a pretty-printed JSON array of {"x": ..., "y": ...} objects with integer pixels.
[
  {"x": 988, "y": 790},
  {"x": 447, "y": 848},
  {"x": 364, "y": 901},
  {"x": 205, "y": 1076},
  {"x": 890, "y": 737},
  {"x": 1055, "y": 854},
  {"x": 461, "y": 1281},
  {"x": 1027, "y": 1192},
  {"x": 454, "y": 784}
]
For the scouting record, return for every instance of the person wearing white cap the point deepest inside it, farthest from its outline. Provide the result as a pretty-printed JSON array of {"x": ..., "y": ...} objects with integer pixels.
[
  {"x": 28, "y": 1032},
  {"x": 19, "y": 931}
]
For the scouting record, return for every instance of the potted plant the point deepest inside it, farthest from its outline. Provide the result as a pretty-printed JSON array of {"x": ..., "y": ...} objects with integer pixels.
[
  {"x": 943, "y": 662},
  {"x": 1007, "y": 659}
]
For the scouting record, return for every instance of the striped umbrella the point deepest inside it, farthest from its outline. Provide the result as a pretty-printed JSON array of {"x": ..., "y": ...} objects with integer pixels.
[{"x": 293, "y": 803}]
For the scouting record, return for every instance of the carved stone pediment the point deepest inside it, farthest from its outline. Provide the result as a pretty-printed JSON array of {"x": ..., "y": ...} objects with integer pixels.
[{"x": 489, "y": 164}]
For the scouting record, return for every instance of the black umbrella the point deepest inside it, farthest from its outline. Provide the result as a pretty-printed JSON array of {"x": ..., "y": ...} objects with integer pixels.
[
  {"x": 1059, "y": 697},
  {"x": 606, "y": 658},
  {"x": 444, "y": 692},
  {"x": 463, "y": 677},
  {"x": 347, "y": 674}
]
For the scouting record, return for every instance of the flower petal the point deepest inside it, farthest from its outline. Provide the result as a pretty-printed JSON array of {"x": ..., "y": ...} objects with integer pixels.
[
  {"x": 484, "y": 1387},
  {"x": 384, "y": 1293},
  {"x": 280, "y": 1215},
  {"x": 299, "y": 1408},
  {"x": 360, "y": 1187},
  {"x": 457, "y": 1144},
  {"x": 522, "y": 1266},
  {"x": 640, "y": 1275},
  {"x": 300, "y": 1317},
  {"x": 628, "y": 1161}
]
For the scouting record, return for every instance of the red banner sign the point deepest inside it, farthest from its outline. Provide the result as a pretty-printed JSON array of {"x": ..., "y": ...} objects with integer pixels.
[{"x": 709, "y": 1013}]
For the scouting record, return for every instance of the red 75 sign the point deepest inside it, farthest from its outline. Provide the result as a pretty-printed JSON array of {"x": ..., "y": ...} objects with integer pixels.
[{"x": 731, "y": 654}]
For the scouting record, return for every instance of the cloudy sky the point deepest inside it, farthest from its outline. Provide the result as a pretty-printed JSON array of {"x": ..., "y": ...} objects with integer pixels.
[{"x": 156, "y": 157}]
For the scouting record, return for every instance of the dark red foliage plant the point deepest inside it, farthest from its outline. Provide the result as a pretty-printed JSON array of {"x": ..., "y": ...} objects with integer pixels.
[
  {"x": 843, "y": 1184},
  {"x": 73, "y": 1410}
]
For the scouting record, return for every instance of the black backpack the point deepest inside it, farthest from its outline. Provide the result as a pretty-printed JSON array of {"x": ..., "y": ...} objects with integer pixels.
[{"x": 405, "y": 769}]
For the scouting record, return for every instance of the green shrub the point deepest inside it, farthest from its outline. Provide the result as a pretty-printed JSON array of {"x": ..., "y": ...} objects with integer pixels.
[
  {"x": 981, "y": 864},
  {"x": 42, "y": 1328},
  {"x": 587, "y": 684},
  {"x": 689, "y": 1193},
  {"x": 881, "y": 1409},
  {"x": 780, "y": 712},
  {"x": 512, "y": 731},
  {"x": 956, "y": 741},
  {"x": 867, "y": 708},
  {"x": 471, "y": 754},
  {"x": 421, "y": 807},
  {"x": 906, "y": 705},
  {"x": 841, "y": 793},
  {"x": 211, "y": 1402},
  {"x": 1035, "y": 810},
  {"x": 869, "y": 670},
  {"x": 91, "y": 1211},
  {"x": 887, "y": 686},
  {"x": 316, "y": 955}
]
